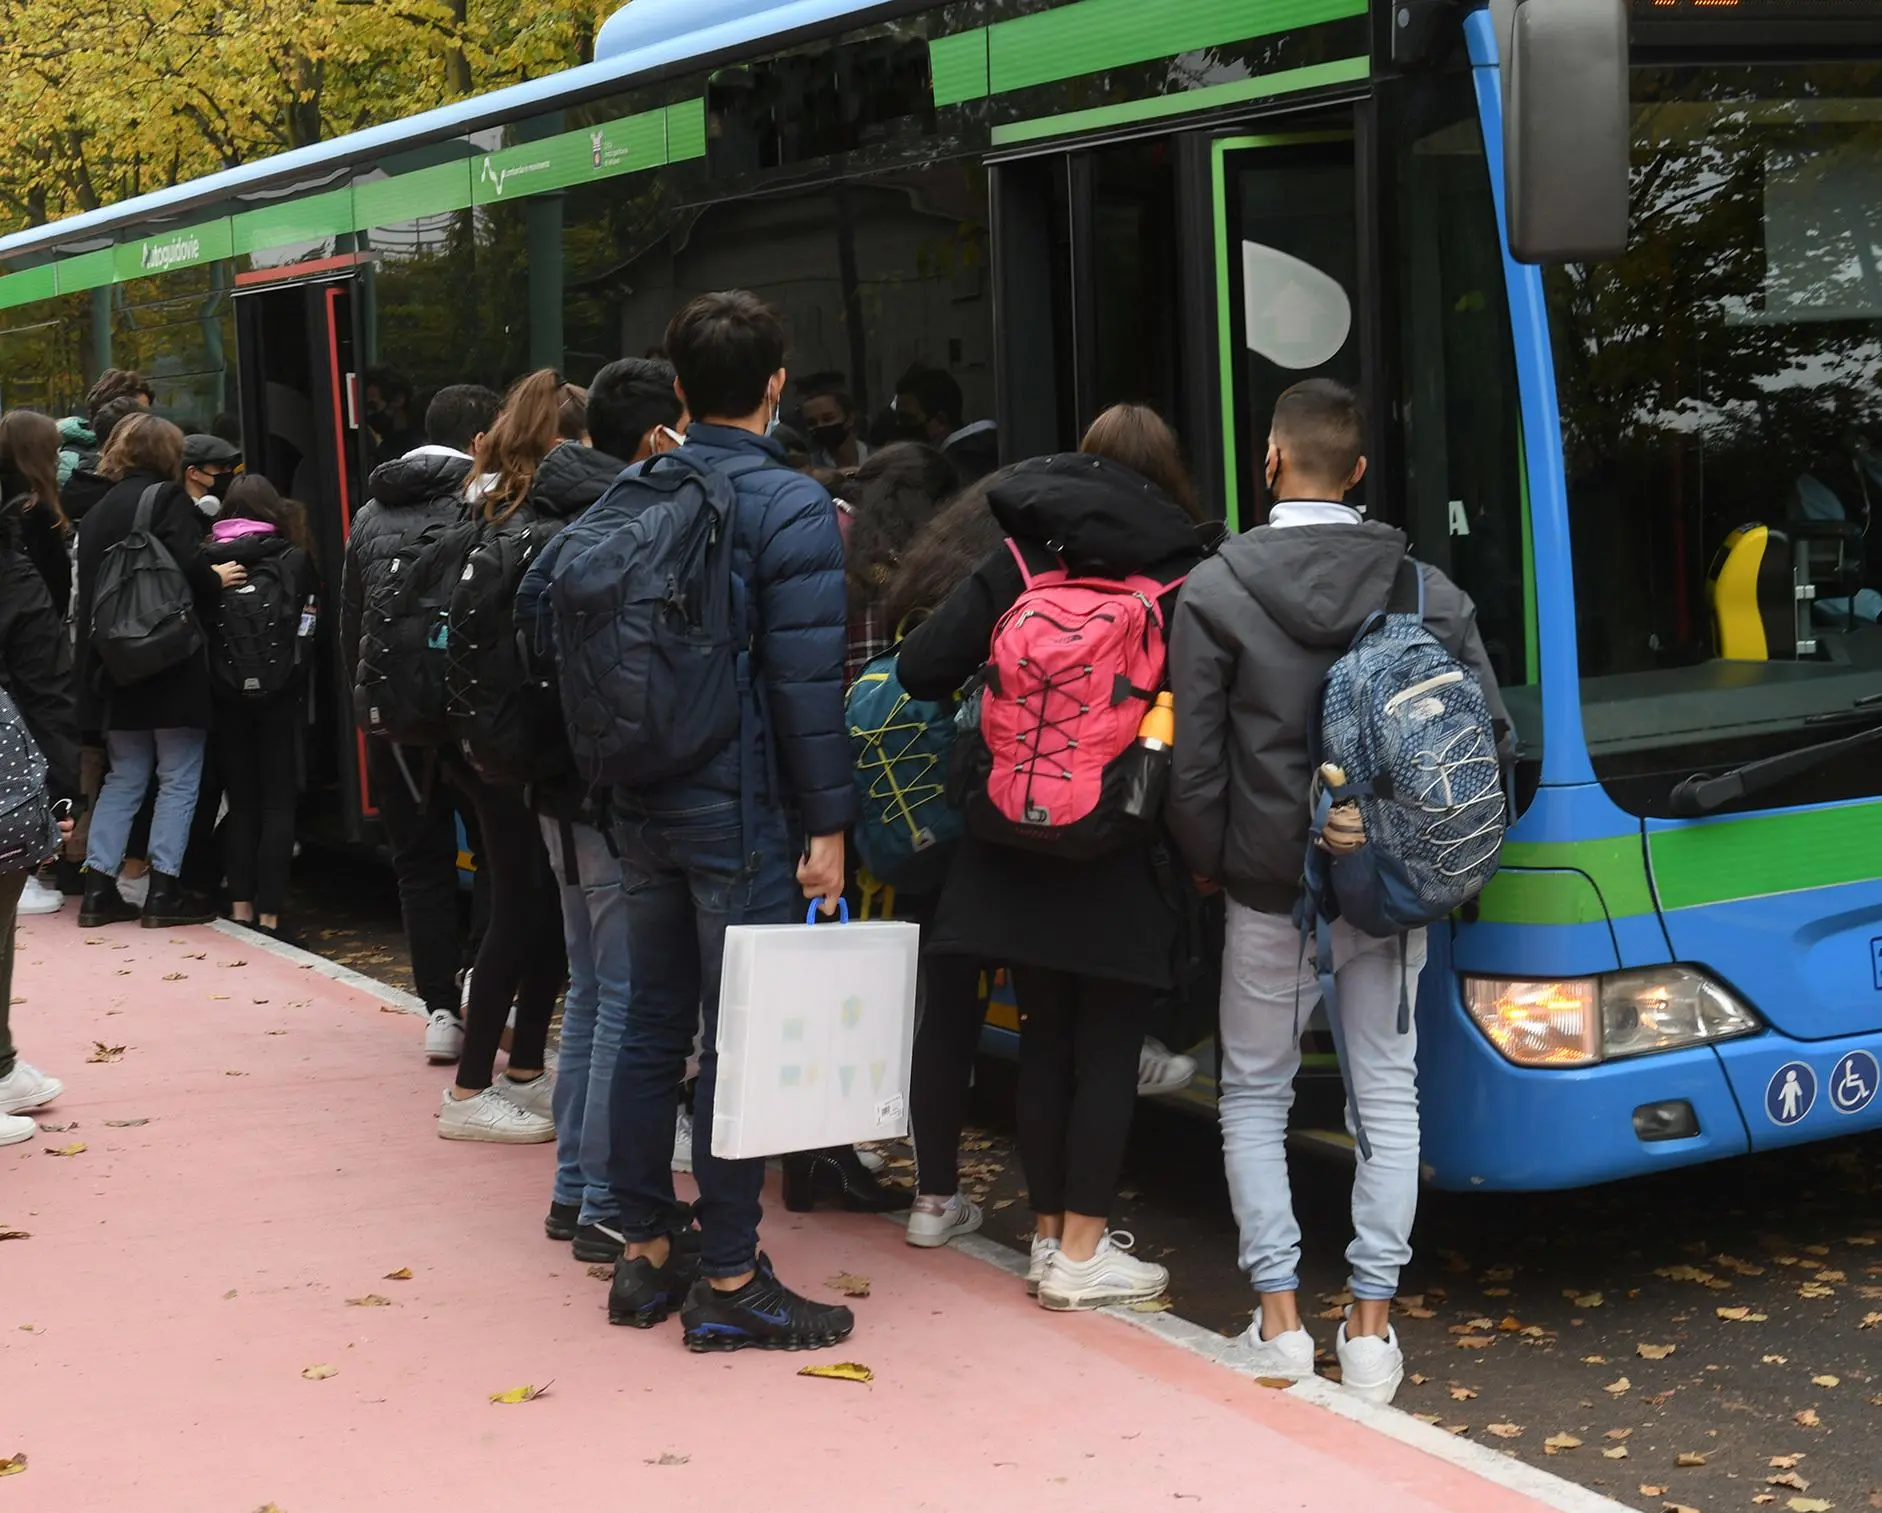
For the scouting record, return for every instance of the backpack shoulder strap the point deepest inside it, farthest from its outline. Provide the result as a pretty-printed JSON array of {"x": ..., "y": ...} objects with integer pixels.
[
  {"x": 1029, "y": 578},
  {"x": 1408, "y": 589},
  {"x": 146, "y": 507}
]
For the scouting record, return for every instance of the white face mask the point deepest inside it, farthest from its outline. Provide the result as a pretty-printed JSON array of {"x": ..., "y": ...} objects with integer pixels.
[{"x": 209, "y": 505}]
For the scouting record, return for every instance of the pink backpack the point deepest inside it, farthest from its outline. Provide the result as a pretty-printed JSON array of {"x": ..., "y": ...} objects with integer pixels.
[{"x": 1074, "y": 666}]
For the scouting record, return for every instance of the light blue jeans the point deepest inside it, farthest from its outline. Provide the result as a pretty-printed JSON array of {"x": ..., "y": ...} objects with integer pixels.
[
  {"x": 594, "y": 1013},
  {"x": 176, "y": 756},
  {"x": 1268, "y": 991}
]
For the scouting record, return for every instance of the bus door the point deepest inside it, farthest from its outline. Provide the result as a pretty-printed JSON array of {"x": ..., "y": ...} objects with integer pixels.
[{"x": 298, "y": 348}]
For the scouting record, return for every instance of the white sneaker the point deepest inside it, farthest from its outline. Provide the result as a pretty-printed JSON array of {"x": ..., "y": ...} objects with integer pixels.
[
  {"x": 1043, "y": 1250},
  {"x": 536, "y": 1096},
  {"x": 134, "y": 890},
  {"x": 26, "y": 1088},
  {"x": 683, "y": 1142},
  {"x": 1371, "y": 1367},
  {"x": 444, "y": 1038},
  {"x": 37, "y": 898},
  {"x": 934, "y": 1221},
  {"x": 1288, "y": 1356},
  {"x": 1161, "y": 1070},
  {"x": 871, "y": 1162},
  {"x": 1112, "y": 1275},
  {"x": 15, "y": 1130},
  {"x": 491, "y": 1117}
]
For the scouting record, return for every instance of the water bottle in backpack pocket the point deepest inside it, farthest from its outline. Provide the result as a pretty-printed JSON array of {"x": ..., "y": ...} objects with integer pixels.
[
  {"x": 255, "y": 649},
  {"x": 404, "y": 635},
  {"x": 143, "y": 613},
  {"x": 906, "y": 822}
]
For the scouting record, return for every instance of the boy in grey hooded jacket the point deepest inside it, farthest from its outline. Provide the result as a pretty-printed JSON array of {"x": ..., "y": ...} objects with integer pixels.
[{"x": 1255, "y": 633}]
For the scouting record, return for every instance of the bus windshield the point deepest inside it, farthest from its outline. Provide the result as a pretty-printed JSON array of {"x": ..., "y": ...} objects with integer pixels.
[{"x": 1721, "y": 393}]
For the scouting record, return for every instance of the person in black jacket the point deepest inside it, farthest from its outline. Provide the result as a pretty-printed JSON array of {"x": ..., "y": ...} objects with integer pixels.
[
  {"x": 258, "y": 740},
  {"x": 36, "y": 671},
  {"x": 408, "y": 494},
  {"x": 158, "y": 724},
  {"x": 1090, "y": 943},
  {"x": 29, "y": 484}
]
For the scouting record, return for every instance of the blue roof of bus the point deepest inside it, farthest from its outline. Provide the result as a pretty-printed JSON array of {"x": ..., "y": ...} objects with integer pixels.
[{"x": 642, "y": 37}]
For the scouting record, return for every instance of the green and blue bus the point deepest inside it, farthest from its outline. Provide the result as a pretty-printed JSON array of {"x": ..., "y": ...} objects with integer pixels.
[{"x": 1649, "y": 455}]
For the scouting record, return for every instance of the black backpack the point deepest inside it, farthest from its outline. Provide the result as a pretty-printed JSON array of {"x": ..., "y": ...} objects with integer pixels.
[
  {"x": 256, "y": 648},
  {"x": 503, "y": 715},
  {"x": 651, "y": 641},
  {"x": 143, "y": 612},
  {"x": 403, "y": 640}
]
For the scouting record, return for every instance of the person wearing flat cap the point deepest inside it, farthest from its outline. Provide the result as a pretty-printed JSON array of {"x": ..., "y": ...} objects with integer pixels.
[{"x": 209, "y": 466}]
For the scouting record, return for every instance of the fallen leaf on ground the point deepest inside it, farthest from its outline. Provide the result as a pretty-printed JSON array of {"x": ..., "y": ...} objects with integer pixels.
[
  {"x": 1647, "y": 1491},
  {"x": 1826, "y": 1381},
  {"x": 174, "y": 976},
  {"x": 1807, "y": 1417},
  {"x": 1809, "y": 1505},
  {"x": 1503, "y": 1431},
  {"x": 1683, "y": 1274},
  {"x": 1150, "y": 1305},
  {"x": 386, "y": 1008},
  {"x": 1870, "y": 1321},
  {"x": 1619, "y": 1452},
  {"x": 1776, "y": 1360},
  {"x": 1832, "y": 1276},
  {"x": 1689, "y": 1459},
  {"x": 1618, "y": 1387},
  {"x": 601, "y": 1273},
  {"x": 1463, "y": 1394},
  {"x": 667, "y": 1458},
  {"x": 1414, "y": 1312},
  {"x": 1677, "y": 1507},
  {"x": 320, "y": 1373},
  {"x": 842, "y": 1371},
  {"x": 1785, "y": 1462},
  {"x": 1594, "y": 1360},
  {"x": 125, "y": 1123},
  {"x": 1789, "y": 1479},
  {"x": 1560, "y": 1442},
  {"x": 1741, "y": 1316},
  {"x": 1588, "y": 1300},
  {"x": 103, "y": 1052},
  {"x": 1426, "y": 1418},
  {"x": 231, "y": 963},
  {"x": 56, "y": 1129},
  {"x": 1620, "y": 1434},
  {"x": 1275, "y": 1383},
  {"x": 1654, "y": 1352},
  {"x": 1815, "y": 1290},
  {"x": 76, "y": 1148},
  {"x": 371, "y": 1300},
  {"x": 16, "y": 1234},
  {"x": 229, "y": 1294},
  {"x": 850, "y": 1286},
  {"x": 13, "y": 1464},
  {"x": 519, "y": 1394},
  {"x": 403, "y": 1274},
  {"x": 1476, "y": 1342}
]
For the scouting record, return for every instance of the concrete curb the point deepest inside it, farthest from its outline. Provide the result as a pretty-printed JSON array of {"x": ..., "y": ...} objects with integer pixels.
[{"x": 1503, "y": 1470}]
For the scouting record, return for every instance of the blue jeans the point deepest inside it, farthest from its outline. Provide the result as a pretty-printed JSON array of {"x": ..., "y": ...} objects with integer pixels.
[
  {"x": 594, "y": 1012},
  {"x": 1267, "y": 990},
  {"x": 176, "y": 756},
  {"x": 686, "y": 873}
]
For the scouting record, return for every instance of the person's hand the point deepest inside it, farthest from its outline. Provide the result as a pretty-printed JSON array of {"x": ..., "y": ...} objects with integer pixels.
[
  {"x": 820, "y": 873},
  {"x": 66, "y": 827},
  {"x": 1345, "y": 831},
  {"x": 232, "y": 574}
]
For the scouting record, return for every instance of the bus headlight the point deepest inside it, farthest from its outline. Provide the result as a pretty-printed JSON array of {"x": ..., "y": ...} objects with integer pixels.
[{"x": 1581, "y": 1020}]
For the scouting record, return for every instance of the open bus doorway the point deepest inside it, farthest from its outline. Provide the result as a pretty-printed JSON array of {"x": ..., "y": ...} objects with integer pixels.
[{"x": 301, "y": 430}]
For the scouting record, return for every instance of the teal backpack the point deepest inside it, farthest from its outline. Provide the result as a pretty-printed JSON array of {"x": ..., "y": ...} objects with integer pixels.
[{"x": 905, "y": 826}]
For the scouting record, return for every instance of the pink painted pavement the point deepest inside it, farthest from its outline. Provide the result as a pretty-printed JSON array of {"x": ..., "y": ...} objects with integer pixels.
[{"x": 182, "y": 1273}]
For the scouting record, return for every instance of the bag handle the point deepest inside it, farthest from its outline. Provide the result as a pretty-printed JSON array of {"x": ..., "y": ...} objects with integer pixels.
[{"x": 842, "y": 912}]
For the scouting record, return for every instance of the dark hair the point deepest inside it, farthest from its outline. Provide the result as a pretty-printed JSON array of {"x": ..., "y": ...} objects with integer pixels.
[
  {"x": 955, "y": 542},
  {"x": 253, "y": 497},
  {"x": 29, "y": 453},
  {"x": 895, "y": 493},
  {"x": 627, "y": 400},
  {"x": 938, "y": 391},
  {"x": 115, "y": 383},
  {"x": 1321, "y": 427},
  {"x": 1139, "y": 438},
  {"x": 111, "y": 415},
  {"x": 539, "y": 411},
  {"x": 143, "y": 443},
  {"x": 725, "y": 347},
  {"x": 459, "y": 414},
  {"x": 830, "y": 390},
  {"x": 390, "y": 382}
]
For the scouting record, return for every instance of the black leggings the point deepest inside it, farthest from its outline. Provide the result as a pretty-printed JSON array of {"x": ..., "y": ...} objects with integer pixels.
[
  {"x": 258, "y": 749},
  {"x": 946, "y": 1038},
  {"x": 1079, "y": 1041},
  {"x": 522, "y": 959}
]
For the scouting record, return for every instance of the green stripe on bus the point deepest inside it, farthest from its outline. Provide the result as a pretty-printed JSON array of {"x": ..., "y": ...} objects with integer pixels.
[
  {"x": 171, "y": 251},
  {"x": 1093, "y": 35},
  {"x": 1288, "y": 81},
  {"x": 1615, "y": 864},
  {"x": 312, "y": 219},
  {"x": 412, "y": 196},
  {"x": 958, "y": 66},
  {"x": 29, "y": 284},
  {"x": 1519, "y": 897},
  {"x": 87, "y": 271},
  {"x": 1764, "y": 854},
  {"x": 686, "y": 130}
]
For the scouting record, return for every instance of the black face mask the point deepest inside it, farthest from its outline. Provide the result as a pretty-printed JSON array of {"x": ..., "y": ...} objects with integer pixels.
[
  {"x": 910, "y": 428},
  {"x": 829, "y": 438}
]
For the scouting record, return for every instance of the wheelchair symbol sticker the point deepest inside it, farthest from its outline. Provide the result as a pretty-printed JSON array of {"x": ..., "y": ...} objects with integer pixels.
[
  {"x": 1791, "y": 1093},
  {"x": 1853, "y": 1082}
]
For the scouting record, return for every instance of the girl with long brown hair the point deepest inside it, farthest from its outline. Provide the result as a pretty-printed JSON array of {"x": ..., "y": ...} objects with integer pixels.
[
  {"x": 539, "y": 413},
  {"x": 29, "y": 487}
]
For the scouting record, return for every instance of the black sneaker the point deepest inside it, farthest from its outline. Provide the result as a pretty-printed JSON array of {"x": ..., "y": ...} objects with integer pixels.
[
  {"x": 562, "y": 1222},
  {"x": 643, "y": 1294},
  {"x": 598, "y": 1242},
  {"x": 764, "y": 1314}
]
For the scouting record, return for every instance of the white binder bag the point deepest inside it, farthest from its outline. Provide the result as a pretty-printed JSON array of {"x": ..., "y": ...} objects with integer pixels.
[{"x": 816, "y": 1035}]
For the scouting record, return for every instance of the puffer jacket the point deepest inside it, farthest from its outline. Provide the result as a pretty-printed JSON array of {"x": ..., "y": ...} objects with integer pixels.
[
  {"x": 408, "y": 494},
  {"x": 1257, "y": 630},
  {"x": 787, "y": 551},
  {"x": 75, "y": 441}
]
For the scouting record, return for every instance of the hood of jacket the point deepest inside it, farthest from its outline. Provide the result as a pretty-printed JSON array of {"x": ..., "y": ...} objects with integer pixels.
[
  {"x": 419, "y": 478},
  {"x": 1096, "y": 514},
  {"x": 76, "y": 432},
  {"x": 249, "y": 546},
  {"x": 1317, "y": 582},
  {"x": 571, "y": 478}
]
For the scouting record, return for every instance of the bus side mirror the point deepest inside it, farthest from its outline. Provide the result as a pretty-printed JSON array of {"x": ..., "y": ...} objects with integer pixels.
[{"x": 1566, "y": 125}]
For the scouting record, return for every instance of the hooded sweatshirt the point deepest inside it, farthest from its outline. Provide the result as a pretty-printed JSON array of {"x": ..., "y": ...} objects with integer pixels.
[{"x": 1258, "y": 628}]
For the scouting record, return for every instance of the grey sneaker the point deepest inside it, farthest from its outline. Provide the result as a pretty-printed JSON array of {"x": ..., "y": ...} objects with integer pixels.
[
  {"x": 1112, "y": 1276},
  {"x": 492, "y": 1118},
  {"x": 934, "y": 1221}
]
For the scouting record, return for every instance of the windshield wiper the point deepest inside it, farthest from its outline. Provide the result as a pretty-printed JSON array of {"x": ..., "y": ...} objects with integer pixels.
[{"x": 1703, "y": 793}]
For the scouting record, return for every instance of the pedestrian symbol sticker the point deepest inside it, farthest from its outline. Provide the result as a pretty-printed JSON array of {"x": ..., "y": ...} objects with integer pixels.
[
  {"x": 1791, "y": 1094},
  {"x": 1853, "y": 1082}
]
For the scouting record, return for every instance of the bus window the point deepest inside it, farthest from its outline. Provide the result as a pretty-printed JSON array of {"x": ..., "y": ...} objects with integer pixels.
[{"x": 1721, "y": 391}]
